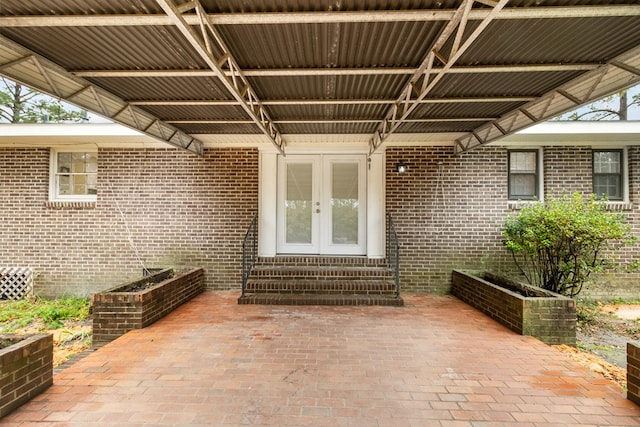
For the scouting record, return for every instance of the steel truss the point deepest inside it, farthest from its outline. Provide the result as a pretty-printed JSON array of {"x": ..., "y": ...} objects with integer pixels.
[
  {"x": 32, "y": 70},
  {"x": 424, "y": 80},
  {"x": 623, "y": 71},
  {"x": 225, "y": 66}
]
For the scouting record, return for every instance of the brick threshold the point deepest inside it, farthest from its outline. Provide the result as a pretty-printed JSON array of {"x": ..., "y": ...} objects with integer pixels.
[{"x": 315, "y": 299}]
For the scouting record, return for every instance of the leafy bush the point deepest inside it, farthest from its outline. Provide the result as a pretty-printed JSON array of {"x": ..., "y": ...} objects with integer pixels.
[{"x": 559, "y": 243}]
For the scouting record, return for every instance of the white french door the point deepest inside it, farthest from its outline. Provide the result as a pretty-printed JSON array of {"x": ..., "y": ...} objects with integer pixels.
[{"x": 321, "y": 205}]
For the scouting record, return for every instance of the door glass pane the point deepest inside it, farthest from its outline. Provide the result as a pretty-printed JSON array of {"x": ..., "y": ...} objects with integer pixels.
[
  {"x": 344, "y": 203},
  {"x": 299, "y": 203}
]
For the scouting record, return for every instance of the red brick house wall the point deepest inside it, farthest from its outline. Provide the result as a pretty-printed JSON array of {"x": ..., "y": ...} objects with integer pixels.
[
  {"x": 448, "y": 211},
  {"x": 182, "y": 210},
  {"x": 178, "y": 209}
]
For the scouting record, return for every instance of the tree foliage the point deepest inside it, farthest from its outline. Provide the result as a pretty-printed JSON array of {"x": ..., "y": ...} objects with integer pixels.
[
  {"x": 19, "y": 104},
  {"x": 559, "y": 243},
  {"x": 614, "y": 107}
]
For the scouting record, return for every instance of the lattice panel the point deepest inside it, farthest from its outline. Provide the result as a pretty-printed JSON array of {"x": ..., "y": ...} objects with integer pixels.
[{"x": 16, "y": 282}]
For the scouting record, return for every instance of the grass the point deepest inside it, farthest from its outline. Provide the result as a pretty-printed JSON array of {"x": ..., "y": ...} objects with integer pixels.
[{"x": 19, "y": 314}]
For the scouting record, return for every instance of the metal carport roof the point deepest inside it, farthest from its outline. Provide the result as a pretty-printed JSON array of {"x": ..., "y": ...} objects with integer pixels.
[{"x": 289, "y": 68}]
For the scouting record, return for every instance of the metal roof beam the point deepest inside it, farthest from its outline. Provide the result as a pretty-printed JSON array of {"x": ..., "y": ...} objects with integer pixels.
[
  {"x": 231, "y": 103},
  {"x": 620, "y": 73},
  {"x": 21, "y": 65},
  {"x": 377, "y": 71},
  {"x": 423, "y": 80},
  {"x": 280, "y": 18},
  {"x": 236, "y": 83}
]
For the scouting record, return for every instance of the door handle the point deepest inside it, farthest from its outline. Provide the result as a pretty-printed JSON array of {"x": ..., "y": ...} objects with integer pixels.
[{"x": 317, "y": 210}]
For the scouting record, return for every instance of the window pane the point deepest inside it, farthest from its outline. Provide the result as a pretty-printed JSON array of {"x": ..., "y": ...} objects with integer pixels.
[
  {"x": 522, "y": 161},
  {"x": 344, "y": 203},
  {"x": 91, "y": 164},
  {"x": 606, "y": 161},
  {"x": 607, "y": 185},
  {"x": 64, "y": 184},
  {"x": 298, "y": 203},
  {"x": 78, "y": 162},
  {"x": 522, "y": 185},
  {"x": 64, "y": 162},
  {"x": 79, "y": 184},
  {"x": 92, "y": 184}
]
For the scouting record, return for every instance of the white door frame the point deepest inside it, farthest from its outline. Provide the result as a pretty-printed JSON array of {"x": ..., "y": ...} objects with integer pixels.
[{"x": 268, "y": 187}]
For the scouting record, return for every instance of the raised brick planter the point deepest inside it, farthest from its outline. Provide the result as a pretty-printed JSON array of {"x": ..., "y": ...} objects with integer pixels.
[
  {"x": 26, "y": 369},
  {"x": 633, "y": 373},
  {"x": 542, "y": 314},
  {"x": 117, "y": 311}
]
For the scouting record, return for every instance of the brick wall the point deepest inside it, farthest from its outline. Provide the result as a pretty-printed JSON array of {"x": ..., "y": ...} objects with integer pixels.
[
  {"x": 448, "y": 211},
  {"x": 182, "y": 210},
  {"x": 26, "y": 370},
  {"x": 159, "y": 207}
]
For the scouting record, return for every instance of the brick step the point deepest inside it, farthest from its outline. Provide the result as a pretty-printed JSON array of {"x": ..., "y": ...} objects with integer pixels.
[
  {"x": 310, "y": 272},
  {"x": 320, "y": 299},
  {"x": 319, "y": 261},
  {"x": 366, "y": 287}
]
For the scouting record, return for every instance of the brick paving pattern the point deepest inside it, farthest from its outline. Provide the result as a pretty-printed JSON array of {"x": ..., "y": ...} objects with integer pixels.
[{"x": 434, "y": 362}]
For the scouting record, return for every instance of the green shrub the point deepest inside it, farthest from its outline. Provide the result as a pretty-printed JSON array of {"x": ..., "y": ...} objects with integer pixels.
[{"x": 559, "y": 243}]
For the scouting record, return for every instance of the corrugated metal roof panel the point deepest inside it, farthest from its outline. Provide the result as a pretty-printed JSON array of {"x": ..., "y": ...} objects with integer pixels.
[
  {"x": 75, "y": 7},
  {"x": 430, "y": 127},
  {"x": 352, "y": 45},
  {"x": 162, "y": 88},
  {"x": 463, "y": 109},
  {"x": 110, "y": 48},
  {"x": 500, "y": 84},
  {"x": 392, "y": 44},
  {"x": 328, "y": 128},
  {"x": 328, "y": 87},
  {"x": 550, "y": 41},
  {"x": 67, "y": 7},
  {"x": 219, "y": 128},
  {"x": 193, "y": 112},
  {"x": 327, "y": 112}
]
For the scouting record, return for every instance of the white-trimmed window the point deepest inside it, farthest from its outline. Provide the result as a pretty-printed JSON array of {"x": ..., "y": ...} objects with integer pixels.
[
  {"x": 524, "y": 174},
  {"x": 609, "y": 174},
  {"x": 74, "y": 175}
]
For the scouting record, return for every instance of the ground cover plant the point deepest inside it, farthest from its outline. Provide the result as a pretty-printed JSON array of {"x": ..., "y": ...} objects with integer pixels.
[{"x": 66, "y": 318}]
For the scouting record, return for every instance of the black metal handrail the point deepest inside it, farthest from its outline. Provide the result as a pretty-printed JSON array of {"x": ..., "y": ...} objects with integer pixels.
[
  {"x": 249, "y": 251},
  {"x": 393, "y": 253}
]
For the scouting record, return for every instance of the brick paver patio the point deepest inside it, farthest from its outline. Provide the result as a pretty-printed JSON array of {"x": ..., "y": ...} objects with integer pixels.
[{"x": 434, "y": 362}]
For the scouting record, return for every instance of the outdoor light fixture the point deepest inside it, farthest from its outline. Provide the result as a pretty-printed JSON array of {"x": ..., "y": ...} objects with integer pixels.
[{"x": 401, "y": 167}]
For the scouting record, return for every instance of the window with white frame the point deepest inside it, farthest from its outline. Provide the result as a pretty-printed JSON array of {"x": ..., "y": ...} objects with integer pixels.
[
  {"x": 523, "y": 174},
  {"x": 608, "y": 174},
  {"x": 74, "y": 175}
]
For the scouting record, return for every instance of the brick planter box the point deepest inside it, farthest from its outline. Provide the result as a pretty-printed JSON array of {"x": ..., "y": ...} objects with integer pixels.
[
  {"x": 26, "y": 369},
  {"x": 541, "y": 314},
  {"x": 633, "y": 373},
  {"x": 123, "y": 308}
]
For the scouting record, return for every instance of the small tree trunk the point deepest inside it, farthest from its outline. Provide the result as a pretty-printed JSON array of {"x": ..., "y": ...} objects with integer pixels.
[{"x": 624, "y": 105}]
